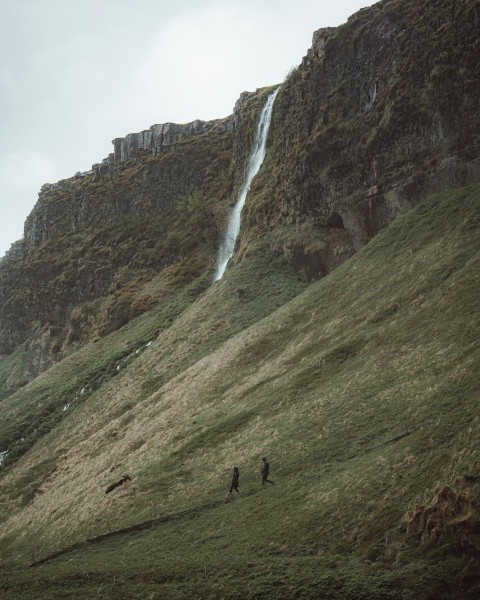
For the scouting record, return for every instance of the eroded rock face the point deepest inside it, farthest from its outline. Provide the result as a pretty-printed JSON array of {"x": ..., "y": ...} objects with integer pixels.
[
  {"x": 155, "y": 139},
  {"x": 317, "y": 50},
  {"x": 381, "y": 112},
  {"x": 92, "y": 242},
  {"x": 136, "y": 185},
  {"x": 14, "y": 314}
]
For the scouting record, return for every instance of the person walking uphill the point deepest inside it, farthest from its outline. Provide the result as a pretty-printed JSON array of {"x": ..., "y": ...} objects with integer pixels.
[
  {"x": 235, "y": 478},
  {"x": 265, "y": 471}
]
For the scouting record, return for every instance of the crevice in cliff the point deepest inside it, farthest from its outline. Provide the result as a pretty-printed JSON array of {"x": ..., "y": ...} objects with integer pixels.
[{"x": 335, "y": 221}]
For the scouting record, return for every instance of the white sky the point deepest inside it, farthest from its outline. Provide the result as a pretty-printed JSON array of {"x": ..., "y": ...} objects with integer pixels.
[{"x": 75, "y": 74}]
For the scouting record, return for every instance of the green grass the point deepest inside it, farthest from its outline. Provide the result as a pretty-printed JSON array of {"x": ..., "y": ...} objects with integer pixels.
[
  {"x": 362, "y": 390},
  {"x": 35, "y": 409}
]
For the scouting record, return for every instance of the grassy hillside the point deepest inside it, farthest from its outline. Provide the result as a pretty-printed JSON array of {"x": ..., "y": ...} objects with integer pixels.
[{"x": 362, "y": 390}]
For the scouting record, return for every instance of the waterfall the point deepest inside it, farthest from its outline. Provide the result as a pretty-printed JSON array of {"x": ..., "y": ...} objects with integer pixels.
[{"x": 254, "y": 163}]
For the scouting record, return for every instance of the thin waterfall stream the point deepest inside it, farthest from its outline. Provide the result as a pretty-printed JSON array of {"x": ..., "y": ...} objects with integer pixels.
[{"x": 255, "y": 161}]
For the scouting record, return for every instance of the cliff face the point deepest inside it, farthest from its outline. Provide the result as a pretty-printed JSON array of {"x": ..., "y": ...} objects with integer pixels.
[
  {"x": 380, "y": 112},
  {"x": 146, "y": 173},
  {"x": 106, "y": 245}
]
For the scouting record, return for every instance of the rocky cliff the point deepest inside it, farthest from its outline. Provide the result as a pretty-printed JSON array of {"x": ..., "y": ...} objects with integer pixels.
[
  {"x": 106, "y": 245},
  {"x": 380, "y": 112}
]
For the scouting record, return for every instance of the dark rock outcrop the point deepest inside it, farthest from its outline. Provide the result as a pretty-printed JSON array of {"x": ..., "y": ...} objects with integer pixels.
[
  {"x": 382, "y": 111},
  {"x": 158, "y": 137}
]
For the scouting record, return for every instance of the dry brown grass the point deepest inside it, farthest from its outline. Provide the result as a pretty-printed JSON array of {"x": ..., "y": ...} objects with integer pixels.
[{"x": 449, "y": 513}]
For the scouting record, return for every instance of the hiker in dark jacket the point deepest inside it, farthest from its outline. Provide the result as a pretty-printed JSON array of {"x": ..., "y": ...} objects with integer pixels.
[
  {"x": 265, "y": 471},
  {"x": 234, "y": 484}
]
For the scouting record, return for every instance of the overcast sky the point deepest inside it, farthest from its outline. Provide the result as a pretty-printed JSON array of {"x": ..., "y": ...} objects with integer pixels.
[{"x": 75, "y": 74}]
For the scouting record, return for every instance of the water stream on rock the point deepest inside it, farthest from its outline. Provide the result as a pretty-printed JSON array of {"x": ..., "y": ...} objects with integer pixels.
[{"x": 255, "y": 161}]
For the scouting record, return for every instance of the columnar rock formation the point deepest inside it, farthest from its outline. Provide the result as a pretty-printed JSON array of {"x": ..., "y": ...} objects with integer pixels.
[{"x": 158, "y": 136}]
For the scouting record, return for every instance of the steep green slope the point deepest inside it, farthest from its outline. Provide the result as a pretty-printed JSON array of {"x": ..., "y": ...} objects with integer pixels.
[
  {"x": 35, "y": 409},
  {"x": 363, "y": 392}
]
